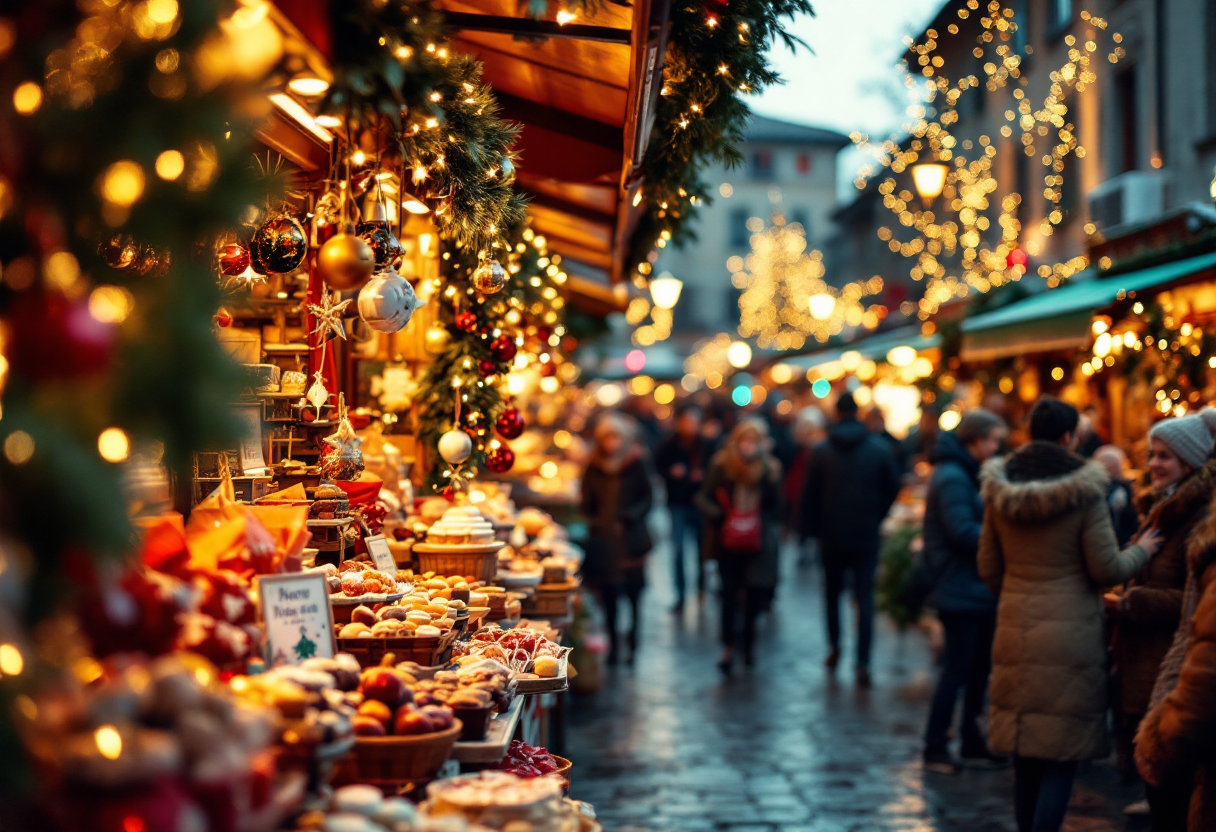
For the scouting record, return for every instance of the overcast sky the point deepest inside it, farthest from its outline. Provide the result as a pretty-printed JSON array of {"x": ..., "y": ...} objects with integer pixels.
[{"x": 849, "y": 80}]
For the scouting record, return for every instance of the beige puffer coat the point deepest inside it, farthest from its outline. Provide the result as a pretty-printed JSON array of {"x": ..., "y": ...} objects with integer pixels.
[{"x": 1047, "y": 549}]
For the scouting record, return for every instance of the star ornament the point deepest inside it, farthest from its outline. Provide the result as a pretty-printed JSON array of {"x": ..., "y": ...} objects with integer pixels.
[
  {"x": 344, "y": 440},
  {"x": 328, "y": 314}
]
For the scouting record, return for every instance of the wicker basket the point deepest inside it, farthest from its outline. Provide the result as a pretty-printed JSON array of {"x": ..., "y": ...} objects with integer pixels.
[
  {"x": 563, "y": 771},
  {"x": 427, "y": 651},
  {"x": 480, "y": 566},
  {"x": 389, "y": 762},
  {"x": 554, "y": 603}
]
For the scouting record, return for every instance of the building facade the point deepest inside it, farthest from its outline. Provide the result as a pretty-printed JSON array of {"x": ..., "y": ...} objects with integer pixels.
[
  {"x": 787, "y": 167},
  {"x": 1147, "y": 126}
]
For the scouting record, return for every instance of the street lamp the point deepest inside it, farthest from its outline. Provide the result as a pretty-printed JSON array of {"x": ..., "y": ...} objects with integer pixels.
[
  {"x": 739, "y": 354},
  {"x": 822, "y": 306},
  {"x": 665, "y": 290},
  {"x": 929, "y": 179}
]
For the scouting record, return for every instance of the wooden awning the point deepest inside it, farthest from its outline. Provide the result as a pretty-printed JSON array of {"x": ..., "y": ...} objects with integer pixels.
[{"x": 585, "y": 94}]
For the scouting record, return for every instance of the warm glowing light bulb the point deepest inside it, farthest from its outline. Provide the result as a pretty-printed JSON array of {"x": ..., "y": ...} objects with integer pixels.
[
  {"x": 564, "y": 17},
  {"x": 170, "y": 164},
  {"x": 27, "y": 98},
  {"x": 665, "y": 290},
  {"x": 739, "y": 354},
  {"x": 109, "y": 742},
  {"x": 123, "y": 183},
  {"x": 822, "y": 305},
  {"x": 113, "y": 445},
  {"x": 929, "y": 178}
]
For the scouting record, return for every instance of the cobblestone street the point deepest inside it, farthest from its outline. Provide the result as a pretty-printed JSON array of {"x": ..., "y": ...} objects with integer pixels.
[{"x": 672, "y": 745}]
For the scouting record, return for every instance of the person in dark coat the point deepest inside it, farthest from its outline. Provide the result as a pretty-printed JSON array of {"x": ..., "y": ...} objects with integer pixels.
[
  {"x": 1119, "y": 494},
  {"x": 852, "y": 481},
  {"x": 1176, "y": 743},
  {"x": 741, "y": 501},
  {"x": 682, "y": 460},
  {"x": 1147, "y": 613},
  {"x": 954, "y": 516},
  {"x": 877, "y": 424},
  {"x": 616, "y": 497}
]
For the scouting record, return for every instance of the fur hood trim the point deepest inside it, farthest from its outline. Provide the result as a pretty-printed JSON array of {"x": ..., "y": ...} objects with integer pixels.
[
  {"x": 1193, "y": 496},
  {"x": 1032, "y": 501},
  {"x": 1201, "y": 545}
]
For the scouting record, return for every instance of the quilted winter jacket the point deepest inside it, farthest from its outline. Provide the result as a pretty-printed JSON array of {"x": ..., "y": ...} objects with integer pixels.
[{"x": 1047, "y": 549}]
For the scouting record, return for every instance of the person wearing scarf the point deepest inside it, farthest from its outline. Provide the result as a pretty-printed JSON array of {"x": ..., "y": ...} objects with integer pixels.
[
  {"x": 743, "y": 488},
  {"x": 616, "y": 498}
]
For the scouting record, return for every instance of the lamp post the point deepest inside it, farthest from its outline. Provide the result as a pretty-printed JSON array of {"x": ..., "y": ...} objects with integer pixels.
[
  {"x": 665, "y": 290},
  {"x": 929, "y": 179}
]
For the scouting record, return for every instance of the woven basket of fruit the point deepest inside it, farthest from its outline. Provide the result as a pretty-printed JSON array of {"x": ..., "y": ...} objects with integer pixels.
[
  {"x": 393, "y": 761},
  {"x": 427, "y": 651},
  {"x": 451, "y": 560}
]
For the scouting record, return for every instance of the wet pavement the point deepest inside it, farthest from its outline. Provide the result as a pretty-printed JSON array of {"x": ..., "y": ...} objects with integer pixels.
[{"x": 669, "y": 745}]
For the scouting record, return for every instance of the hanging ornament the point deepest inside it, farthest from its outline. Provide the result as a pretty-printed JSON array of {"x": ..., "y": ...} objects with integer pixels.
[
  {"x": 326, "y": 218},
  {"x": 374, "y": 230},
  {"x": 455, "y": 447},
  {"x": 233, "y": 259},
  {"x": 510, "y": 423},
  {"x": 387, "y": 302},
  {"x": 504, "y": 348},
  {"x": 345, "y": 261},
  {"x": 317, "y": 395},
  {"x": 506, "y": 171},
  {"x": 543, "y": 334},
  {"x": 466, "y": 322},
  {"x": 437, "y": 339},
  {"x": 548, "y": 369},
  {"x": 282, "y": 244},
  {"x": 328, "y": 314},
  {"x": 344, "y": 460},
  {"x": 488, "y": 367},
  {"x": 500, "y": 460},
  {"x": 257, "y": 260},
  {"x": 119, "y": 252},
  {"x": 489, "y": 277},
  {"x": 449, "y": 493},
  {"x": 223, "y": 318}
]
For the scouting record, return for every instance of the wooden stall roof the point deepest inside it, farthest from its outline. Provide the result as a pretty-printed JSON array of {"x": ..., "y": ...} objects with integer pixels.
[{"x": 584, "y": 92}]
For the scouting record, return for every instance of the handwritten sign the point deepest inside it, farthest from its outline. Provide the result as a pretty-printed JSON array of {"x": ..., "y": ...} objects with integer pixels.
[
  {"x": 296, "y": 612},
  {"x": 377, "y": 547}
]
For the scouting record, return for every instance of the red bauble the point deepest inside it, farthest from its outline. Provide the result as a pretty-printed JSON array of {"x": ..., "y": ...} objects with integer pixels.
[
  {"x": 223, "y": 318},
  {"x": 500, "y": 460},
  {"x": 52, "y": 337},
  {"x": 548, "y": 369},
  {"x": 233, "y": 259},
  {"x": 1016, "y": 257},
  {"x": 504, "y": 348},
  {"x": 449, "y": 493},
  {"x": 488, "y": 367},
  {"x": 543, "y": 334},
  {"x": 510, "y": 423},
  {"x": 466, "y": 322}
]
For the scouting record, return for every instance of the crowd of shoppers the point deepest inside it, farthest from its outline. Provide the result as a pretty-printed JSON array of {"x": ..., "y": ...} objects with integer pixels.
[{"x": 1065, "y": 592}]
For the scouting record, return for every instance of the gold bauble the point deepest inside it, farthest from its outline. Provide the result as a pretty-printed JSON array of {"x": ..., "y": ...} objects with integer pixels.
[
  {"x": 490, "y": 277},
  {"x": 436, "y": 339},
  {"x": 345, "y": 262}
]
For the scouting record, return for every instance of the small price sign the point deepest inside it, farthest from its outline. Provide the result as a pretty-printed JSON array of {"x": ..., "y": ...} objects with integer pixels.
[
  {"x": 299, "y": 621},
  {"x": 377, "y": 547}
]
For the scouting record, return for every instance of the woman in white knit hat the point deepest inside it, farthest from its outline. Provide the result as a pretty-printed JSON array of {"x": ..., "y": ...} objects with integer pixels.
[{"x": 1182, "y": 481}]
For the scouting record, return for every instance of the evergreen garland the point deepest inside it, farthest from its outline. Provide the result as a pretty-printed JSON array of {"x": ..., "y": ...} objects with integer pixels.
[
  {"x": 465, "y": 162},
  {"x": 393, "y": 68},
  {"x": 716, "y": 54},
  {"x": 529, "y": 309}
]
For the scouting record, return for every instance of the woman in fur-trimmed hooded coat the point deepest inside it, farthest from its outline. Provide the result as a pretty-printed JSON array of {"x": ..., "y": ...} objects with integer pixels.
[{"x": 1046, "y": 550}]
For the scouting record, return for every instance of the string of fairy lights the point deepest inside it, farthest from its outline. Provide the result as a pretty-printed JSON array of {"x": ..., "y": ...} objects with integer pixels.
[{"x": 973, "y": 242}]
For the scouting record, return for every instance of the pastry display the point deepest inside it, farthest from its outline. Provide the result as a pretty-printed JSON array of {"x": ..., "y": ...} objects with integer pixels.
[
  {"x": 461, "y": 525},
  {"x": 329, "y": 502},
  {"x": 497, "y": 799},
  {"x": 389, "y": 709},
  {"x": 518, "y": 649}
]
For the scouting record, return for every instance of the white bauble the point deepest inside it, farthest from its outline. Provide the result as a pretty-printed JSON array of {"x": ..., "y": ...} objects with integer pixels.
[
  {"x": 387, "y": 302},
  {"x": 455, "y": 447}
]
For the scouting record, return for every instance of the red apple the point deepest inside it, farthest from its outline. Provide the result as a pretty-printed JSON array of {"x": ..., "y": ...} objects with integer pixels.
[
  {"x": 384, "y": 685},
  {"x": 378, "y": 711},
  {"x": 411, "y": 721},
  {"x": 367, "y": 726}
]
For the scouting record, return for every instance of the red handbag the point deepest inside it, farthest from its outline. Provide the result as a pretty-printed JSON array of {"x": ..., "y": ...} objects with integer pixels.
[{"x": 742, "y": 531}]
